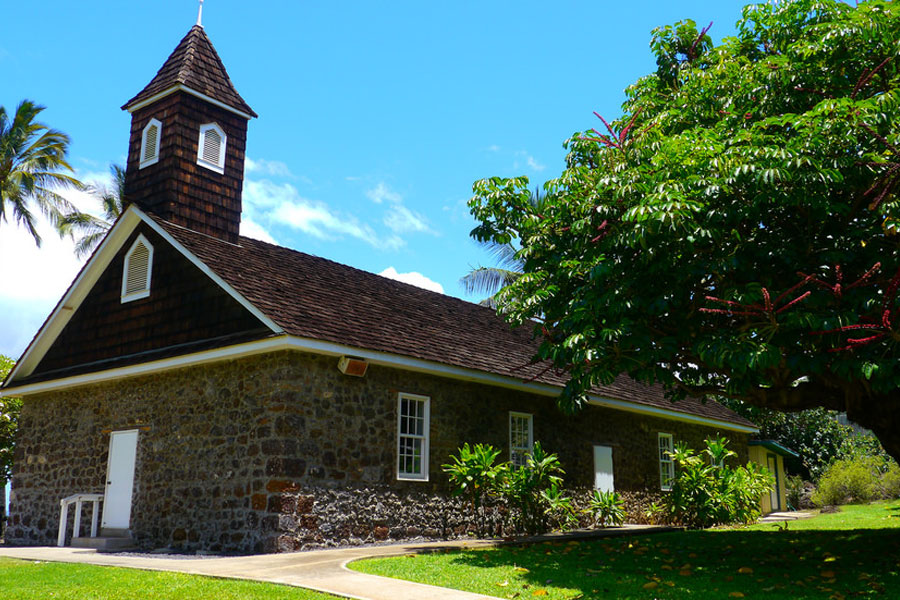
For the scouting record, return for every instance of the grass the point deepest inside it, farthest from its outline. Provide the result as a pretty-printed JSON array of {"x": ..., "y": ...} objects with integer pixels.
[
  {"x": 26, "y": 580},
  {"x": 851, "y": 554}
]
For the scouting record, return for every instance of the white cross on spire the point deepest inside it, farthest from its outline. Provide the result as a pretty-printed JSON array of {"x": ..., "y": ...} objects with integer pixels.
[{"x": 200, "y": 14}]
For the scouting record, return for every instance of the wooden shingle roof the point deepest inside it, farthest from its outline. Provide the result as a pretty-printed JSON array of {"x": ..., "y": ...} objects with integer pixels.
[
  {"x": 315, "y": 298},
  {"x": 195, "y": 64}
]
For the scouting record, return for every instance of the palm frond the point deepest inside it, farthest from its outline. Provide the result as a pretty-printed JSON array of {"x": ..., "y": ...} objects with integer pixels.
[{"x": 488, "y": 280}]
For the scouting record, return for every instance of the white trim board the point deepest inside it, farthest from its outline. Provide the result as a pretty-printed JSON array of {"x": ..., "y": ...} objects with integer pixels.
[
  {"x": 180, "y": 87},
  {"x": 286, "y": 342},
  {"x": 91, "y": 272}
]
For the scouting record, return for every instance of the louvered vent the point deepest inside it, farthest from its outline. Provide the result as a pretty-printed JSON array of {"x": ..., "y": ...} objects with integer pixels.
[
  {"x": 211, "y": 150},
  {"x": 150, "y": 143},
  {"x": 136, "y": 278},
  {"x": 211, "y": 145}
]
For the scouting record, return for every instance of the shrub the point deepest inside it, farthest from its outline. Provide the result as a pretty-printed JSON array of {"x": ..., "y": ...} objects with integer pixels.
[
  {"x": 473, "y": 474},
  {"x": 535, "y": 491},
  {"x": 607, "y": 508},
  {"x": 794, "y": 489},
  {"x": 706, "y": 491},
  {"x": 858, "y": 479}
]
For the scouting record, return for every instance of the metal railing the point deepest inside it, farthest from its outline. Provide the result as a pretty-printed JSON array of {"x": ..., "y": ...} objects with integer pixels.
[{"x": 78, "y": 500}]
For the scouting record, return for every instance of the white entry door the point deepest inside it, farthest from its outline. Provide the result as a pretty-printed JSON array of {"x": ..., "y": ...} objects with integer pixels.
[
  {"x": 603, "y": 468},
  {"x": 775, "y": 493},
  {"x": 119, "y": 479}
]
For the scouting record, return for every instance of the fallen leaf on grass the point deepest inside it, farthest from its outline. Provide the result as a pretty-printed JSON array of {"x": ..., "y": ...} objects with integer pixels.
[
  {"x": 827, "y": 574},
  {"x": 685, "y": 572},
  {"x": 503, "y": 583},
  {"x": 736, "y": 595},
  {"x": 539, "y": 593},
  {"x": 745, "y": 571},
  {"x": 520, "y": 570},
  {"x": 650, "y": 585}
]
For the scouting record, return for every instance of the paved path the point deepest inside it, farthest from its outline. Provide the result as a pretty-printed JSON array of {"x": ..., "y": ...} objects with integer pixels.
[
  {"x": 322, "y": 570},
  {"x": 785, "y": 516}
]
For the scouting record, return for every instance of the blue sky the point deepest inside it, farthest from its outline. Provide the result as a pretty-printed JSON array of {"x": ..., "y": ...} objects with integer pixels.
[{"x": 375, "y": 118}]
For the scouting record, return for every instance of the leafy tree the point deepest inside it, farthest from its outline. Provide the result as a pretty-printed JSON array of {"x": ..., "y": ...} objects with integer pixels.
[
  {"x": 735, "y": 232},
  {"x": 33, "y": 168},
  {"x": 9, "y": 415},
  {"x": 814, "y": 434},
  {"x": 90, "y": 229}
]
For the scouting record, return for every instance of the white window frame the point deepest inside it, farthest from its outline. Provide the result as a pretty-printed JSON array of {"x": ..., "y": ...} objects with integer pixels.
[
  {"x": 219, "y": 165},
  {"x": 422, "y": 475},
  {"x": 144, "y": 291},
  {"x": 146, "y": 162},
  {"x": 520, "y": 451},
  {"x": 665, "y": 462}
]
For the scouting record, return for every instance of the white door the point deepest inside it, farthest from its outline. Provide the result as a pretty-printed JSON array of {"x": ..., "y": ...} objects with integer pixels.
[
  {"x": 119, "y": 479},
  {"x": 603, "y": 468},
  {"x": 775, "y": 494}
]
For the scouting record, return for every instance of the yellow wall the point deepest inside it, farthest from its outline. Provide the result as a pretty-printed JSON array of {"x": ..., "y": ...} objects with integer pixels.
[{"x": 759, "y": 455}]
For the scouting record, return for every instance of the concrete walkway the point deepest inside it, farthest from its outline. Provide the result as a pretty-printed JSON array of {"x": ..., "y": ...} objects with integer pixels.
[
  {"x": 321, "y": 570},
  {"x": 777, "y": 517}
]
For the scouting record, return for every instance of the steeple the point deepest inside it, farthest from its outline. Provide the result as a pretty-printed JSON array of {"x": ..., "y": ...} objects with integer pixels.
[{"x": 188, "y": 136}]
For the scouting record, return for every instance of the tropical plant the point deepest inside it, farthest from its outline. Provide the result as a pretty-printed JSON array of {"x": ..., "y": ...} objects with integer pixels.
[
  {"x": 33, "y": 169},
  {"x": 473, "y": 474},
  {"x": 89, "y": 229},
  {"x": 706, "y": 491},
  {"x": 535, "y": 491},
  {"x": 607, "y": 508},
  {"x": 737, "y": 231},
  {"x": 490, "y": 280}
]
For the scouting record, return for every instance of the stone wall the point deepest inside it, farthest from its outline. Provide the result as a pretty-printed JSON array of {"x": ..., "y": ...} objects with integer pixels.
[{"x": 281, "y": 452}]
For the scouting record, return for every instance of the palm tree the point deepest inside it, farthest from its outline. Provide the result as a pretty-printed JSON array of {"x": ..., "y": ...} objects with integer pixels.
[
  {"x": 32, "y": 169},
  {"x": 490, "y": 280},
  {"x": 92, "y": 229}
]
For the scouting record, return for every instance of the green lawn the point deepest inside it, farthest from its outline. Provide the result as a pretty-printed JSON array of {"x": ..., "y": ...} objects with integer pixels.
[
  {"x": 25, "y": 580},
  {"x": 855, "y": 553}
]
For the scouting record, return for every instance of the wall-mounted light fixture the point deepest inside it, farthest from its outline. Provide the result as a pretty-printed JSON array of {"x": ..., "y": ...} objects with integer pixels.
[{"x": 353, "y": 366}]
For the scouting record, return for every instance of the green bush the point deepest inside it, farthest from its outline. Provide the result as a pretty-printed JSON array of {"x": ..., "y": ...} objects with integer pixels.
[
  {"x": 607, "y": 508},
  {"x": 858, "y": 479},
  {"x": 706, "y": 491},
  {"x": 535, "y": 491},
  {"x": 473, "y": 474}
]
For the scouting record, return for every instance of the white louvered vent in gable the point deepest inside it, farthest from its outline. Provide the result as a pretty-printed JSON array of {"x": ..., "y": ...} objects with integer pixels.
[
  {"x": 137, "y": 271},
  {"x": 150, "y": 143},
  {"x": 211, "y": 148}
]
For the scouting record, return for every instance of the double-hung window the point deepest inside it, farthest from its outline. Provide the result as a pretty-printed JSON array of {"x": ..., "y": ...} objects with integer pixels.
[
  {"x": 521, "y": 438},
  {"x": 666, "y": 464},
  {"x": 412, "y": 437}
]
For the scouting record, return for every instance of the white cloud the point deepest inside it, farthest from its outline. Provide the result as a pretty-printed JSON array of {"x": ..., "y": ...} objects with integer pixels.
[
  {"x": 534, "y": 164},
  {"x": 382, "y": 192},
  {"x": 275, "y": 168},
  {"x": 268, "y": 204},
  {"x": 493, "y": 148},
  {"x": 252, "y": 229},
  {"x": 413, "y": 278},
  {"x": 34, "y": 280},
  {"x": 402, "y": 220}
]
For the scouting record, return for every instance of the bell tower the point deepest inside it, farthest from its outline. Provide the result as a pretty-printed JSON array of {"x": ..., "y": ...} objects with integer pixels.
[{"x": 187, "y": 143}]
